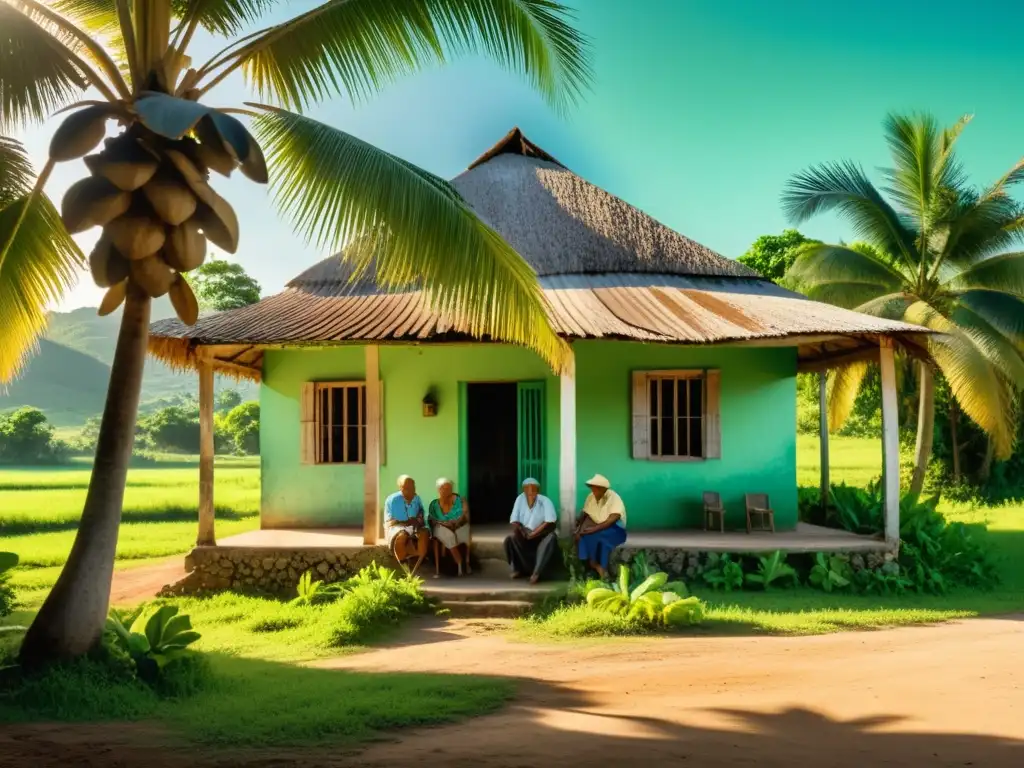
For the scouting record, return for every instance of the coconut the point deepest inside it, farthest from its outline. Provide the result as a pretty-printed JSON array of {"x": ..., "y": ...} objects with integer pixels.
[
  {"x": 125, "y": 162},
  {"x": 184, "y": 301},
  {"x": 108, "y": 267},
  {"x": 136, "y": 235},
  {"x": 185, "y": 247},
  {"x": 113, "y": 298},
  {"x": 171, "y": 198},
  {"x": 152, "y": 275},
  {"x": 219, "y": 225},
  {"x": 79, "y": 134},
  {"x": 92, "y": 202},
  {"x": 211, "y": 150}
]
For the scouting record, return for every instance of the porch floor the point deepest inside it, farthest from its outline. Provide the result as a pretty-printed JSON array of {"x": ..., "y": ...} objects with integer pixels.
[{"x": 806, "y": 538}]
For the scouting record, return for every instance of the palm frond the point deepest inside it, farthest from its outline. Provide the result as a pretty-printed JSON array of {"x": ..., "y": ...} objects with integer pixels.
[
  {"x": 847, "y": 276},
  {"x": 16, "y": 174},
  {"x": 981, "y": 390},
  {"x": 38, "y": 74},
  {"x": 339, "y": 191},
  {"x": 38, "y": 267},
  {"x": 1001, "y": 351},
  {"x": 223, "y": 17},
  {"x": 999, "y": 273},
  {"x": 842, "y": 387},
  {"x": 1003, "y": 311},
  {"x": 891, "y": 306},
  {"x": 975, "y": 227},
  {"x": 844, "y": 188},
  {"x": 923, "y": 161},
  {"x": 355, "y": 47}
]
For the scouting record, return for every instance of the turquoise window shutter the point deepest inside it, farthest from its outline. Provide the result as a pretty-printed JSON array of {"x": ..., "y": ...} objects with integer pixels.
[{"x": 532, "y": 438}]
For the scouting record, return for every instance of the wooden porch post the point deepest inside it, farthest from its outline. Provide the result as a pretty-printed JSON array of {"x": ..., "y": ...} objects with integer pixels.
[
  {"x": 206, "y": 536},
  {"x": 823, "y": 433},
  {"x": 890, "y": 444},
  {"x": 567, "y": 451},
  {"x": 371, "y": 473}
]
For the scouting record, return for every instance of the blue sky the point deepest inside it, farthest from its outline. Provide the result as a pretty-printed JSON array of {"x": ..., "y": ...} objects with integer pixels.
[{"x": 699, "y": 112}]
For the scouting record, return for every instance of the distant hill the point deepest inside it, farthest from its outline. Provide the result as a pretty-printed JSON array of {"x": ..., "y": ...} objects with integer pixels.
[
  {"x": 68, "y": 385},
  {"x": 67, "y": 378}
]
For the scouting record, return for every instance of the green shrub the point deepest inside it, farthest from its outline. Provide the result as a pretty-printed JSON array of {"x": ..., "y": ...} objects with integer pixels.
[
  {"x": 652, "y": 602},
  {"x": 722, "y": 572},
  {"x": 153, "y": 639},
  {"x": 772, "y": 568},
  {"x": 8, "y": 560},
  {"x": 831, "y": 572},
  {"x": 371, "y": 600}
]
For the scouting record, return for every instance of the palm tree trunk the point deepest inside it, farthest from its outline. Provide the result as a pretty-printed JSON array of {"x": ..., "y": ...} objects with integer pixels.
[
  {"x": 72, "y": 618},
  {"x": 954, "y": 419},
  {"x": 985, "y": 472},
  {"x": 925, "y": 426}
]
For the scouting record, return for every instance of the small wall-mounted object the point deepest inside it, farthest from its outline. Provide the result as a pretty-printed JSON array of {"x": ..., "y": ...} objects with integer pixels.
[{"x": 430, "y": 404}]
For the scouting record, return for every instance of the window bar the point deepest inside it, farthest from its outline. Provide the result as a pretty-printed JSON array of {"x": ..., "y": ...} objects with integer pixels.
[
  {"x": 362, "y": 425},
  {"x": 318, "y": 405},
  {"x": 675, "y": 421},
  {"x": 689, "y": 451}
]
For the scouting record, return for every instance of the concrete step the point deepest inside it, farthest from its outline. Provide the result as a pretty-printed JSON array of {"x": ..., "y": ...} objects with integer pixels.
[
  {"x": 489, "y": 609},
  {"x": 473, "y": 588},
  {"x": 491, "y": 568}
]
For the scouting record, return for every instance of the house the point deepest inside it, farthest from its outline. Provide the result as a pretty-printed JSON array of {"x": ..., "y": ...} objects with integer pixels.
[{"x": 683, "y": 377}]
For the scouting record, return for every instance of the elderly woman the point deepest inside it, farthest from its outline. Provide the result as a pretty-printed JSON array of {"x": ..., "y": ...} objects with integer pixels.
[
  {"x": 601, "y": 527},
  {"x": 448, "y": 518},
  {"x": 405, "y": 530}
]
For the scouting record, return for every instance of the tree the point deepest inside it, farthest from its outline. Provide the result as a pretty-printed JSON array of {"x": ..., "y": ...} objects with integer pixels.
[
  {"x": 242, "y": 424},
  {"x": 221, "y": 285},
  {"x": 149, "y": 187},
  {"x": 26, "y": 437},
  {"x": 228, "y": 399},
  {"x": 174, "y": 428},
  {"x": 940, "y": 255},
  {"x": 772, "y": 255}
]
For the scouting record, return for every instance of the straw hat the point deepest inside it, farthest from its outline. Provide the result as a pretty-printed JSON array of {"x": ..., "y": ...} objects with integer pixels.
[{"x": 598, "y": 481}]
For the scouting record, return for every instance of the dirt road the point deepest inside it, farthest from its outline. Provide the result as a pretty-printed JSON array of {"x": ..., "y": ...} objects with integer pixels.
[{"x": 948, "y": 695}]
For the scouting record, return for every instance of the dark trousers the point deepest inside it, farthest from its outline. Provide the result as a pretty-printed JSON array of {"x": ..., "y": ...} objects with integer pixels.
[{"x": 530, "y": 555}]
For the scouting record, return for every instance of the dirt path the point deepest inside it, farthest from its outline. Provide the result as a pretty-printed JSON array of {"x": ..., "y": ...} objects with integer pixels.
[
  {"x": 948, "y": 695},
  {"x": 135, "y": 585}
]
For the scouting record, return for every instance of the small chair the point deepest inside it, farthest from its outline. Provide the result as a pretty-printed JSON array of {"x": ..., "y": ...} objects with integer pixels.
[
  {"x": 757, "y": 505},
  {"x": 712, "y": 508}
]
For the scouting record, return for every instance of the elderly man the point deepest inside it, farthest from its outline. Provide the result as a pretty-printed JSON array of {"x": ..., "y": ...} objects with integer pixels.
[
  {"x": 533, "y": 541},
  {"x": 404, "y": 528},
  {"x": 601, "y": 526}
]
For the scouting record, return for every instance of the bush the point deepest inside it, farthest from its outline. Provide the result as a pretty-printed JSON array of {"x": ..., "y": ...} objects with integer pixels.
[
  {"x": 653, "y": 602},
  {"x": 26, "y": 437},
  {"x": 153, "y": 639},
  {"x": 7, "y": 602}
]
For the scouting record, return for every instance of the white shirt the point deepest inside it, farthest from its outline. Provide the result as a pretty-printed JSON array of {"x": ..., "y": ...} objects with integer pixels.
[{"x": 543, "y": 511}]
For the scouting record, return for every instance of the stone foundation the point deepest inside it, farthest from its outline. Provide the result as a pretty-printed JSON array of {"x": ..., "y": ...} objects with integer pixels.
[{"x": 271, "y": 571}]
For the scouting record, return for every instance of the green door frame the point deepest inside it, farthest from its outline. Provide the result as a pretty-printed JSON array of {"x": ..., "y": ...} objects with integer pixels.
[{"x": 532, "y": 438}]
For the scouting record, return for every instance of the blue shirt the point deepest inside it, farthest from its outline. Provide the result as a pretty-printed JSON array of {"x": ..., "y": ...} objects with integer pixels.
[
  {"x": 396, "y": 508},
  {"x": 543, "y": 511}
]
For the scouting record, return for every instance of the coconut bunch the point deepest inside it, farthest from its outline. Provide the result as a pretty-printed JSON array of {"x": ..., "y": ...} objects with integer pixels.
[{"x": 150, "y": 194}]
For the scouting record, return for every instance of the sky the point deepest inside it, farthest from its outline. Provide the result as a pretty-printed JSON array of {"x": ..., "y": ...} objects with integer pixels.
[{"x": 699, "y": 112}]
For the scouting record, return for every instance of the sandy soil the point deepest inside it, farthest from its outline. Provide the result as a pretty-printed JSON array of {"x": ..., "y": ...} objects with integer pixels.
[
  {"x": 948, "y": 695},
  {"x": 136, "y": 585}
]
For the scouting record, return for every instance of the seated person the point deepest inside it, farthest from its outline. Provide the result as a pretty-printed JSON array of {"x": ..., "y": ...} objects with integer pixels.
[
  {"x": 533, "y": 541},
  {"x": 601, "y": 527},
  {"x": 448, "y": 518},
  {"x": 405, "y": 531}
]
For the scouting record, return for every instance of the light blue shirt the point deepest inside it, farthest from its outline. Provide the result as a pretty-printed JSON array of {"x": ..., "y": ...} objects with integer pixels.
[
  {"x": 398, "y": 509},
  {"x": 543, "y": 511}
]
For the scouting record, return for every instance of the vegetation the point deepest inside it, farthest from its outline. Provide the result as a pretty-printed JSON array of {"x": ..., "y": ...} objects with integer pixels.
[
  {"x": 771, "y": 256},
  {"x": 939, "y": 255},
  {"x": 653, "y": 602},
  {"x": 8, "y": 560},
  {"x": 220, "y": 285},
  {"x": 26, "y": 437},
  {"x": 151, "y": 639},
  {"x": 148, "y": 189}
]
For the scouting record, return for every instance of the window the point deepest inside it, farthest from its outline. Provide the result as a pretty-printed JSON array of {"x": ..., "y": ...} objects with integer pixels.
[
  {"x": 675, "y": 415},
  {"x": 341, "y": 423},
  {"x": 676, "y": 408}
]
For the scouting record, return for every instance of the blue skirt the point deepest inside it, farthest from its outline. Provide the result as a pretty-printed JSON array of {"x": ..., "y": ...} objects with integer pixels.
[{"x": 598, "y": 546}]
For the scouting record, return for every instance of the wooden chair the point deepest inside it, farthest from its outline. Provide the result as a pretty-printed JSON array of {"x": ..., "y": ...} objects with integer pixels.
[
  {"x": 713, "y": 508},
  {"x": 758, "y": 506}
]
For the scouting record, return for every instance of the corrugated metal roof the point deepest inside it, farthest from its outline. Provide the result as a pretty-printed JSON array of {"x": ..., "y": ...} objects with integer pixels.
[{"x": 663, "y": 308}]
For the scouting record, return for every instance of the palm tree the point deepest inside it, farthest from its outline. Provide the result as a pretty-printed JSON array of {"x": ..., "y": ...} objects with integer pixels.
[
  {"x": 149, "y": 186},
  {"x": 939, "y": 255}
]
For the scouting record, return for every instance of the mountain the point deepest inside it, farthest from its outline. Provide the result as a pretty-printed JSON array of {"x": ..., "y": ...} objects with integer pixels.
[{"x": 67, "y": 377}]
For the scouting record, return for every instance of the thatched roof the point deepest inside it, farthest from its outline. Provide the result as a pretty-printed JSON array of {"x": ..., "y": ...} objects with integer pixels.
[{"x": 607, "y": 269}]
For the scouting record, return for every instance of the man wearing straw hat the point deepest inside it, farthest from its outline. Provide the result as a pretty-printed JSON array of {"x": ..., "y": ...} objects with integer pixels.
[
  {"x": 601, "y": 527},
  {"x": 533, "y": 541}
]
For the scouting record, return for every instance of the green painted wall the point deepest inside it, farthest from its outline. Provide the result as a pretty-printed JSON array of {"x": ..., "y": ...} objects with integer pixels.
[
  {"x": 758, "y": 418},
  {"x": 296, "y": 494},
  {"x": 426, "y": 448}
]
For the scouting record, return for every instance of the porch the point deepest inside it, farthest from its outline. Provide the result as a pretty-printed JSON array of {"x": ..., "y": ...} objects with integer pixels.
[{"x": 487, "y": 540}]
